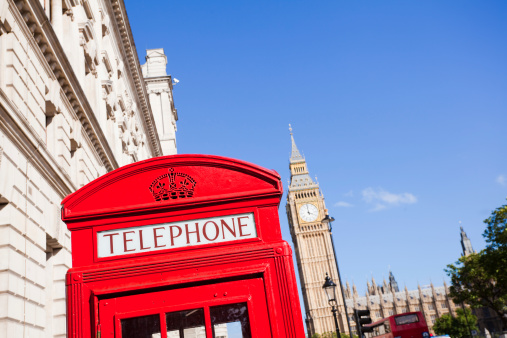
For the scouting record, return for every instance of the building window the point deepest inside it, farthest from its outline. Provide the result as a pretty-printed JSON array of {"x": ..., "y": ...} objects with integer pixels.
[
  {"x": 417, "y": 308},
  {"x": 433, "y": 318},
  {"x": 444, "y": 305},
  {"x": 391, "y": 312},
  {"x": 431, "y": 307},
  {"x": 377, "y": 313}
]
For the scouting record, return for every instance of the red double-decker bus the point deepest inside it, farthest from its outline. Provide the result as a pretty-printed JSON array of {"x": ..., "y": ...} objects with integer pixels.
[{"x": 406, "y": 325}]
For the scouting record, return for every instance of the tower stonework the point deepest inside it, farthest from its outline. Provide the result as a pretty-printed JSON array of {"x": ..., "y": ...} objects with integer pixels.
[{"x": 312, "y": 245}]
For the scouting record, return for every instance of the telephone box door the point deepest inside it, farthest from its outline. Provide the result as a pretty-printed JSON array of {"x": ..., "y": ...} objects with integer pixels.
[{"x": 234, "y": 309}]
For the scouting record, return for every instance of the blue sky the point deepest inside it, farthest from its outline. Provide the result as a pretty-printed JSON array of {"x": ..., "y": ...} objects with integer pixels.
[{"x": 398, "y": 106}]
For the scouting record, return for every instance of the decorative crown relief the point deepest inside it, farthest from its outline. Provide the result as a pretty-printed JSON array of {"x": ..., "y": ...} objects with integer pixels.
[{"x": 172, "y": 186}]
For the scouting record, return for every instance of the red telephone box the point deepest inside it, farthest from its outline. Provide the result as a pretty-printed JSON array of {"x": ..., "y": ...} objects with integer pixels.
[{"x": 180, "y": 246}]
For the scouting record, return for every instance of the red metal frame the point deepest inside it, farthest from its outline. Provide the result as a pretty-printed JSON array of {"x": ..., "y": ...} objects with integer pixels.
[
  {"x": 259, "y": 321},
  {"x": 214, "y": 186}
]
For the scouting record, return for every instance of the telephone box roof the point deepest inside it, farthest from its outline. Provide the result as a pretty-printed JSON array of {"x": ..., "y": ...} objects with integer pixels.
[{"x": 168, "y": 182}]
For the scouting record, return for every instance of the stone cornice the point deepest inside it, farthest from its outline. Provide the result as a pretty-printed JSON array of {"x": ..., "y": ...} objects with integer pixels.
[
  {"x": 58, "y": 61},
  {"x": 116, "y": 9},
  {"x": 158, "y": 78}
]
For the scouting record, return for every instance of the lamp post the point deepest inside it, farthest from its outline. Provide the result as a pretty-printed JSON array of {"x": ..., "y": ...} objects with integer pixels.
[
  {"x": 329, "y": 220},
  {"x": 330, "y": 288}
]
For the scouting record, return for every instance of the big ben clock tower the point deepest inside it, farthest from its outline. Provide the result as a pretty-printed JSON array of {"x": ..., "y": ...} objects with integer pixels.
[{"x": 314, "y": 252}]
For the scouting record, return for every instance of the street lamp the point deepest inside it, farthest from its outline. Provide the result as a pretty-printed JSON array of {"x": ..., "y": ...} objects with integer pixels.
[
  {"x": 330, "y": 289},
  {"x": 329, "y": 220}
]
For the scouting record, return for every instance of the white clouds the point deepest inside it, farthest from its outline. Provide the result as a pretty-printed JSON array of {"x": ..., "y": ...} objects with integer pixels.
[
  {"x": 502, "y": 180},
  {"x": 381, "y": 199},
  {"x": 349, "y": 194},
  {"x": 343, "y": 204}
]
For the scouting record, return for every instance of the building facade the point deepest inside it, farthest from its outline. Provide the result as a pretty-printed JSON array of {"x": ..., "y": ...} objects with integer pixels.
[
  {"x": 75, "y": 103},
  {"x": 306, "y": 210}
]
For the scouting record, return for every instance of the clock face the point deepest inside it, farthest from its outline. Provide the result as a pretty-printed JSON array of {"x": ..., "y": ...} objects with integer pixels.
[{"x": 308, "y": 212}]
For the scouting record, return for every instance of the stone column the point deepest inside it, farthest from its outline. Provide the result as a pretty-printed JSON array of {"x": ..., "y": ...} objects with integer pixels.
[{"x": 57, "y": 17}]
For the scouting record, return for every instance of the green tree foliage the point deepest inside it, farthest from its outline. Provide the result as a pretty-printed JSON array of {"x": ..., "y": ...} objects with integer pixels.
[
  {"x": 459, "y": 326},
  {"x": 481, "y": 279},
  {"x": 344, "y": 335},
  {"x": 325, "y": 335}
]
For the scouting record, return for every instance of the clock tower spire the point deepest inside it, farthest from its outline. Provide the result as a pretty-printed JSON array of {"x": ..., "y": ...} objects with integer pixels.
[
  {"x": 312, "y": 244},
  {"x": 298, "y": 169}
]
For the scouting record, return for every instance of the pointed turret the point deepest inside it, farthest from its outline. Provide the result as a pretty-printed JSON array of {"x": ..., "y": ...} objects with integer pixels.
[
  {"x": 300, "y": 177},
  {"x": 348, "y": 293},
  {"x": 392, "y": 282},
  {"x": 374, "y": 287},
  {"x": 466, "y": 244},
  {"x": 295, "y": 154}
]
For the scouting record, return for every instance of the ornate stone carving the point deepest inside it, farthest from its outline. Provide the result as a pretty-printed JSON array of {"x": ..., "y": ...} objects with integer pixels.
[{"x": 87, "y": 38}]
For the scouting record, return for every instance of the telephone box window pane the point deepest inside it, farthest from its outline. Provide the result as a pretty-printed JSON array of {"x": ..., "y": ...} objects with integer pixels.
[
  {"x": 230, "y": 321},
  {"x": 141, "y": 327},
  {"x": 186, "y": 324}
]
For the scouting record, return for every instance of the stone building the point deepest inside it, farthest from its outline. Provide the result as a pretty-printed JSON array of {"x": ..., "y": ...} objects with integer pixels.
[
  {"x": 313, "y": 247},
  {"x": 386, "y": 300},
  {"x": 73, "y": 106}
]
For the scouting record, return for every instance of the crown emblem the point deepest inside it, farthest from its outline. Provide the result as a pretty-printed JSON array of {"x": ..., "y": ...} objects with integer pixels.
[{"x": 172, "y": 186}]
